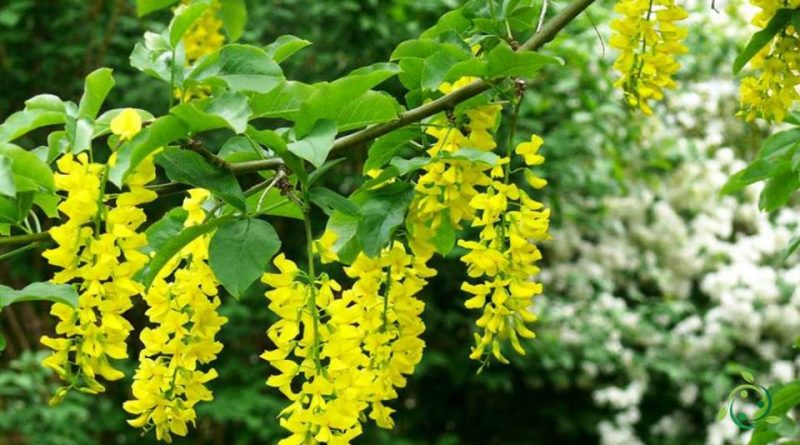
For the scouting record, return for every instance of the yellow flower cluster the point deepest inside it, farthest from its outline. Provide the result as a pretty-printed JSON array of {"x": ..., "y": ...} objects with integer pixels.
[
  {"x": 205, "y": 36},
  {"x": 350, "y": 351},
  {"x": 444, "y": 190},
  {"x": 505, "y": 258},
  {"x": 390, "y": 325},
  {"x": 648, "y": 40},
  {"x": 772, "y": 93},
  {"x": 168, "y": 383},
  {"x": 100, "y": 261}
]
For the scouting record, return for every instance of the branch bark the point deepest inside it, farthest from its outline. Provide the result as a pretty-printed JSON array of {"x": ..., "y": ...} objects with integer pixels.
[{"x": 548, "y": 32}]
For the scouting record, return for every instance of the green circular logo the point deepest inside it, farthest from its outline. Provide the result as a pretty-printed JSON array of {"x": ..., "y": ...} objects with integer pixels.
[{"x": 749, "y": 394}]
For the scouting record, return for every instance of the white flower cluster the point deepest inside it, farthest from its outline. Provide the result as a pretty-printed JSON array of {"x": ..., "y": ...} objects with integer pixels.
[{"x": 676, "y": 286}]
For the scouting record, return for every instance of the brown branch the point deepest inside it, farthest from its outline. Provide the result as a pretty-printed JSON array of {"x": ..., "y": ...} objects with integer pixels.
[
  {"x": 539, "y": 39},
  {"x": 546, "y": 34}
]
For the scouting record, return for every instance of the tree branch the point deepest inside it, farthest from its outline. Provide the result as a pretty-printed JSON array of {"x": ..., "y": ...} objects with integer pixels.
[
  {"x": 24, "y": 239},
  {"x": 547, "y": 33}
]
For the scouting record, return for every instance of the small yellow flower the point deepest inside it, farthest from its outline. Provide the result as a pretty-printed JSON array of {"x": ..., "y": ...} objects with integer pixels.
[
  {"x": 530, "y": 150},
  {"x": 126, "y": 124},
  {"x": 101, "y": 265},
  {"x": 648, "y": 41},
  {"x": 772, "y": 90}
]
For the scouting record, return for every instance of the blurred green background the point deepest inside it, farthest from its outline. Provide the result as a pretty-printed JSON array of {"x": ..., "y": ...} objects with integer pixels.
[{"x": 658, "y": 291}]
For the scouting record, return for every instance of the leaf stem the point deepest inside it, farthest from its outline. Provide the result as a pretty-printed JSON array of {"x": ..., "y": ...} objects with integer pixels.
[
  {"x": 312, "y": 300},
  {"x": 172, "y": 79},
  {"x": 388, "y": 290},
  {"x": 9, "y": 254},
  {"x": 98, "y": 217}
]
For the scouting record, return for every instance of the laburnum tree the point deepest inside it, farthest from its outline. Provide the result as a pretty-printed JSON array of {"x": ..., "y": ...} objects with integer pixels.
[{"x": 244, "y": 145}]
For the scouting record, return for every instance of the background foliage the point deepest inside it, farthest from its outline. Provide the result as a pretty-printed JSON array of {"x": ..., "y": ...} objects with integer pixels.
[{"x": 659, "y": 291}]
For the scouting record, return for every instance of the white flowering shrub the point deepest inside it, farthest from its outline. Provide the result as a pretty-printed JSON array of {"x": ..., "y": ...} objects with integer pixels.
[{"x": 661, "y": 294}]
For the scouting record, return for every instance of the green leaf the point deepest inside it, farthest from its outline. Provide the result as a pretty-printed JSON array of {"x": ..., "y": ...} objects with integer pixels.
[
  {"x": 144, "y": 7},
  {"x": 240, "y": 252},
  {"x": 79, "y": 134},
  {"x": 758, "y": 170},
  {"x": 47, "y": 102},
  {"x": 48, "y": 202},
  {"x": 778, "y": 144},
  {"x": 188, "y": 167},
  {"x": 57, "y": 293},
  {"x": 96, "y": 88},
  {"x": 239, "y": 68},
  {"x": 27, "y": 120},
  {"x": 436, "y": 67},
  {"x": 175, "y": 244},
  {"x": 14, "y": 210},
  {"x": 405, "y": 166},
  {"x": 418, "y": 49},
  {"x": 162, "y": 131},
  {"x": 784, "y": 398},
  {"x": 748, "y": 376},
  {"x": 274, "y": 142},
  {"x": 274, "y": 203},
  {"x": 228, "y": 110},
  {"x": 474, "y": 155},
  {"x": 372, "y": 107},
  {"x": 28, "y": 169},
  {"x": 330, "y": 201},
  {"x": 762, "y": 38},
  {"x": 794, "y": 243},
  {"x": 778, "y": 190},
  {"x": 347, "y": 246},
  {"x": 722, "y": 413},
  {"x": 185, "y": 16},
  {"x": 2, "y": 343},
  {"x": 468, "y": 68},
  {"x": 386, "y": 147},
  {"x": 283, "y": 101},
  {"x": 285, "y": 46},
  {"x": 234, "y": 18},
  {"x": 445, "y": 238},
  {"x": 315, "y": 147},
  {"x": 155, "y": 60},
  {"x": 7, "y": 186},
  {"x": 240, "y": 149},
  {"x": 330, "y": 100},
  {"x": 382, "y": 210},
  {"x": 453, "y": 21},
  {"x": 505, "y": 62},
  {"x": 163, "y": 230}
]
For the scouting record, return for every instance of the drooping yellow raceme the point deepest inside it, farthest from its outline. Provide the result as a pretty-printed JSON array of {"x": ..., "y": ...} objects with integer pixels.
[
  {"x": 773, "y": 92},
  {"x": 504, "y": 260},
  {"x": 205, "y": 36},
  {"x": 390, "y": 321},
  {"x": 444, "y": 190},
  {"x": 648, "y": 39},
  {"x": 365, "y": 340},
  {"x": 182, "y": 306},
  {"x": 98, "y": 252},
  {"x": 318, "y": 363}
]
